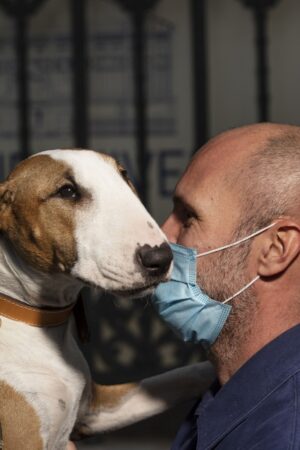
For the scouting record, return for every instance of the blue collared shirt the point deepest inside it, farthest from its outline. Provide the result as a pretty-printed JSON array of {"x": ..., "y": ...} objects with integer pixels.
[{"x": 257, "y": 409}]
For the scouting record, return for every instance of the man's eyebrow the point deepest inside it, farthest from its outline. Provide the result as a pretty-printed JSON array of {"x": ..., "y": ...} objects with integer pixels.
[{"x": 178, "y": 200}]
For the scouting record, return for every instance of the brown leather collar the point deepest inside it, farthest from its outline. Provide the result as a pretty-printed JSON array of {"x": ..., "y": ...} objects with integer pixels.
[{"x": 37, "y": 317}]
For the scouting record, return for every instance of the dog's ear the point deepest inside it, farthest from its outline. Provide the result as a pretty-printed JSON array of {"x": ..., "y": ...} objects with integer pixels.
[{"x": 7, "y": 196}]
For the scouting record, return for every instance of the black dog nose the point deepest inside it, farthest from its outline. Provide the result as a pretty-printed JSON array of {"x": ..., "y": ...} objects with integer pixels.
[{"x": 156, "y": 260}]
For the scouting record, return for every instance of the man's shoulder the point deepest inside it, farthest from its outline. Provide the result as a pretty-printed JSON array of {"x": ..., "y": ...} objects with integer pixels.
[
  {"x": 274, "y": 424},
  {"x": 258, "y": 408}
]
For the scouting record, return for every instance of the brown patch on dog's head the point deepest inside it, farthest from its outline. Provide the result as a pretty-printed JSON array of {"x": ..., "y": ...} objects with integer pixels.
[{"x": 36, "y": 215}]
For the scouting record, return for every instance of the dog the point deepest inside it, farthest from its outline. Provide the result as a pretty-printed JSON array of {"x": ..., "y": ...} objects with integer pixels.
[{"x": 69, "y": 219}]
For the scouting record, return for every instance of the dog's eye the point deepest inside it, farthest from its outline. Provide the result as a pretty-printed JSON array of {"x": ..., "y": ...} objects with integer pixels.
[
  {"x": 124, "y": 174},
  {"x": 68, "y": 191}
]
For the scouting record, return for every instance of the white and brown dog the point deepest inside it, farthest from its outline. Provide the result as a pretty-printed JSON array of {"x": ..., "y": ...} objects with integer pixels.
[{"x": 70, "y": 218}]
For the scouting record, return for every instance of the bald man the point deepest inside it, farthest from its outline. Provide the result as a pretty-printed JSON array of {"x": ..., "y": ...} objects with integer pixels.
[{"x": 243, "y": 188}]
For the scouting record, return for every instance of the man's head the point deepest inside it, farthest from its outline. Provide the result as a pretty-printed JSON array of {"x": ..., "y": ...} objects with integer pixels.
[{"x": 241, "y": 181}]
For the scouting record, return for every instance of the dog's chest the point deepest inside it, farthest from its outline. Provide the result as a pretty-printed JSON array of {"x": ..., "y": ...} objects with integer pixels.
[{"x": 46, "y": 366}]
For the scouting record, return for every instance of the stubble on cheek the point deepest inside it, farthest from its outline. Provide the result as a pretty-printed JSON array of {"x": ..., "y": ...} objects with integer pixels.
[{"x": 221, "y": 277}]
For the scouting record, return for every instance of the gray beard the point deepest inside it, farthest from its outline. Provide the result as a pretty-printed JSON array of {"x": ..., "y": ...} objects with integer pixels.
[
  {"x": 220, "y": 277},
  {"x": 236, "y": 333}
]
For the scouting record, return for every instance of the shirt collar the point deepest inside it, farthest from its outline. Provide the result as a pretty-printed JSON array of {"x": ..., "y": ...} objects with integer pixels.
[{"x": 223, "y": 408}]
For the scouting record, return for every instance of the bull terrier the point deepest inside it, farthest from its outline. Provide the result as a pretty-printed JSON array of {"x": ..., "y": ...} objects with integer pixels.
[{"x": 69, "y": 219}]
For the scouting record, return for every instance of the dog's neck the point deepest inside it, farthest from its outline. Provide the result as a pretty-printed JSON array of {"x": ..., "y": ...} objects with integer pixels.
[{"x": 21, "y": 282}]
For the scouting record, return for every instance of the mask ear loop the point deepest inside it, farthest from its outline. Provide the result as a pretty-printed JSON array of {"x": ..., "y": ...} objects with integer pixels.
[
  {"x": 215, "y": 250},
  {"x": 242, "y": 290}
]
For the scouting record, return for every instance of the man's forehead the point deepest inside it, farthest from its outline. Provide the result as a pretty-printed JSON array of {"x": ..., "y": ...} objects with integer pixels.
[
  {"x": 195, "y": 184},
  {"x": 210, "y": 168},
  {"x": 221, "y": 155},
  {"x": 203, "y": 168}
]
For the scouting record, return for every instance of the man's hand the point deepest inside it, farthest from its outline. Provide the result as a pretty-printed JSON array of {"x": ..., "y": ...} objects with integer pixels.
[{"x": 71, "y": 446}]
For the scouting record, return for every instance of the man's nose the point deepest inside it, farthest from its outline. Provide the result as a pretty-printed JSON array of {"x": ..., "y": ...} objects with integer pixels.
[{"x": 171, "y": 228}]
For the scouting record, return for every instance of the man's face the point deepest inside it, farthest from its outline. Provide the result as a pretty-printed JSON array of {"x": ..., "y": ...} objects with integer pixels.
[
  {"x": 205, "y": 211},
  {"x": 206, "y": 215}
]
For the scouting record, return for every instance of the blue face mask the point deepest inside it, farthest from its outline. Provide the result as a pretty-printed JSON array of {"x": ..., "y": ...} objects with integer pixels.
[{"x": 185, "y": 307}]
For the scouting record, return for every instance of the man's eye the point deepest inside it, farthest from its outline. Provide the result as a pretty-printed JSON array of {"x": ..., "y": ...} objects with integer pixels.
[
  {"x": 184, "y": 214},
  {"x": 188, "y": 221},
  {"x": 187, "y": 218},
  {"x": 68, "y": 191}
]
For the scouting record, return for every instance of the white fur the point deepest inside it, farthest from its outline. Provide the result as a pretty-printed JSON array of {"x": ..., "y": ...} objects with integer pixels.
[
  {"x": 24, "y": 283},
  {"x": 46, "y": 366}
]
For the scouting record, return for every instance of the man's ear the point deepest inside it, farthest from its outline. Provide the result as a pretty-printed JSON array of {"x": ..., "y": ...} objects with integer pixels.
[
  {"x": 280, "y": 248},
  {"x": 7, "y": 196}
]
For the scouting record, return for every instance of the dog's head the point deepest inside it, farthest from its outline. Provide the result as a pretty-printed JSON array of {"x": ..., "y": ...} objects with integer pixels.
[{"x": 76, "y": 212}]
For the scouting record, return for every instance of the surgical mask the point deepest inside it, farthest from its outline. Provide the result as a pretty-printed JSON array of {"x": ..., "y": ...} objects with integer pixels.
[{"x": 181, "y": 302}]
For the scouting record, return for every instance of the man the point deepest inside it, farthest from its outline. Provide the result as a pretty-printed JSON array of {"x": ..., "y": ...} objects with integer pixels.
[{"x": 246, "y": 180}]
